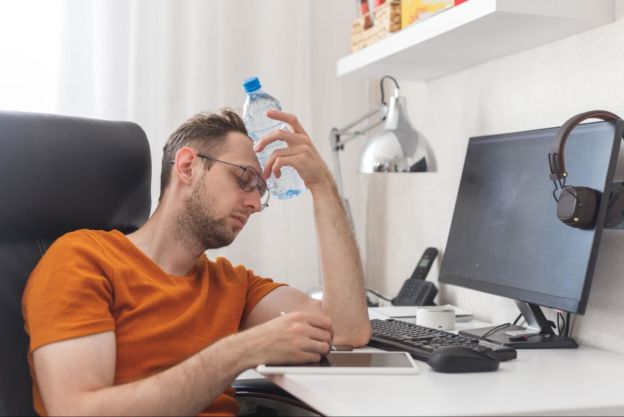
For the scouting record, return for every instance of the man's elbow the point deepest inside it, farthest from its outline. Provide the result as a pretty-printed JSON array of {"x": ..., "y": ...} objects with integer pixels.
[
  {"x": 363, "y": 336},
  {"x": 358, "y": 336}
]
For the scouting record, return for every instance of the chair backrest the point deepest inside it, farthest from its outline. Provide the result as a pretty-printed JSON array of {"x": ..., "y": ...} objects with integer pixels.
[{"x": 58, "y": 174}]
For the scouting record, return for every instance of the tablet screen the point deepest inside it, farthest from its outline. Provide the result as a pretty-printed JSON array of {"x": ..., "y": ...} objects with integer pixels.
[
  {"x": 350, "y": 363},
  {"x": 362, "y": 360}
]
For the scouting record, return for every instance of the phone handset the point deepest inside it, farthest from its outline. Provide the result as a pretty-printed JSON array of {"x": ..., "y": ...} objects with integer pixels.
[
  {"x": 415, "y": 290},
  {"x": 424, "y": 265}
]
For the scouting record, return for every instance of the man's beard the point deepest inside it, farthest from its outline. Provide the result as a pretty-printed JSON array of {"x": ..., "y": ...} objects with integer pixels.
[{"x": 198, "y": 224}]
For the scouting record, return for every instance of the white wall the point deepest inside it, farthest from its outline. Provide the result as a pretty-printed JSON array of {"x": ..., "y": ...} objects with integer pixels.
[{"x": 538, "y": 88}]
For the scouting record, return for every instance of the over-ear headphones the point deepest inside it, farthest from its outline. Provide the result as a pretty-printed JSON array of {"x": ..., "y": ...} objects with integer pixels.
[{"x": 578, "y": 206}]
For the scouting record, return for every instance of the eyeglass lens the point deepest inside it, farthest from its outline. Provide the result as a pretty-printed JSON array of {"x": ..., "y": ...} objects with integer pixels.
[{"x": 251, "y": 180}]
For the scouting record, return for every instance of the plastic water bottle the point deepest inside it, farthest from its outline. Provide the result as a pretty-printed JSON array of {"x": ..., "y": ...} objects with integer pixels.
[{"x": 258, "y": 124}]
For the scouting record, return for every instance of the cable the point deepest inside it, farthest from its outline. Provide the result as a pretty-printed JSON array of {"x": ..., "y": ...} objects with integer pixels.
[
  {"x": 563, "y": 324},
  {"x": 494, "y": 330},
  {"x": 567, "y": 326},
  {"x": 378, "y": 295},
  {"x": 500, "y": 327}
]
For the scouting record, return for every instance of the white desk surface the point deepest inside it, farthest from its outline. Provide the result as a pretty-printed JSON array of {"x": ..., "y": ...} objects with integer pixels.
[{"x": 583, "y": 381}]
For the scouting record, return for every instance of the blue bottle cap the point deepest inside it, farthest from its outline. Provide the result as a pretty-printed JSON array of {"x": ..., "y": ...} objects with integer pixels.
[{"x": 251, "y": 84}]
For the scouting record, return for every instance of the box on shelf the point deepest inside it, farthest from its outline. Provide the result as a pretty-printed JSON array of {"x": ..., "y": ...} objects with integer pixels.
[
  {"x": 415, "y": 10},
  {"x": 386, "y": 19}
]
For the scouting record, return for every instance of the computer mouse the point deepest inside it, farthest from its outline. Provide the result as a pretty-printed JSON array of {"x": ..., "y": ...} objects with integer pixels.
[{"x": 453, "y": 359}]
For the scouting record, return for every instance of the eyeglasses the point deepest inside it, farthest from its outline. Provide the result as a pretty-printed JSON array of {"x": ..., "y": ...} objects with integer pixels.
[{"x": 250, "y": 180}]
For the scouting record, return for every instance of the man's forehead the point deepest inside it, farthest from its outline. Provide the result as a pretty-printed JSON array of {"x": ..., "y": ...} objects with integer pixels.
[{"x": 239, "y": 149}]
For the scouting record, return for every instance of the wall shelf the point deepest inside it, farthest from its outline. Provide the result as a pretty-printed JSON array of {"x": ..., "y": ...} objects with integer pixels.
[{"x": 474, "y": 32}]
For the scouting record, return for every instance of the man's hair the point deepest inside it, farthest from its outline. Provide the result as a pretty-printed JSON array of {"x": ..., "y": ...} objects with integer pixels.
[{"x": 205, "y": 132}]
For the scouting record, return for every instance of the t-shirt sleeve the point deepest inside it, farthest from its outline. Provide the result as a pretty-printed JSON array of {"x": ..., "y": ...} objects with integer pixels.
[
  {"x": 69, "y": 294},
  {"x": 257, "y": 289}
]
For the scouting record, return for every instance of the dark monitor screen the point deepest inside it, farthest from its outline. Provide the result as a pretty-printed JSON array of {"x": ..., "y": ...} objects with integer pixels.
[{"x": 505, "y": 237}]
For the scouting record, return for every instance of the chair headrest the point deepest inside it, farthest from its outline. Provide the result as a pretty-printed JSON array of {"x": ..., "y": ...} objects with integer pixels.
[{"x": 61, "y": 173}]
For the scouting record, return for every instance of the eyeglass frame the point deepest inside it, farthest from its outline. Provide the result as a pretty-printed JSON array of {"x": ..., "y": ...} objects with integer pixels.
[{"x": 244, "y": 168}]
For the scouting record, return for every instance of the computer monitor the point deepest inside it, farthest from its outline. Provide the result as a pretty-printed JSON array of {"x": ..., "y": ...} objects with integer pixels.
[{"x": 505, "y": 237}]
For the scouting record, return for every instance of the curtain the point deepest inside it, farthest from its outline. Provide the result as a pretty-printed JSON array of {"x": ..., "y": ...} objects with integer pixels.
[
  {"x": 29, "y": 49},
  {"x": 157, "y": 62}
]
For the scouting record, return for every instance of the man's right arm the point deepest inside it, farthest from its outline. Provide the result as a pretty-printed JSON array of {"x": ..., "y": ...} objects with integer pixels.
[{"x": 76, "y": 376}]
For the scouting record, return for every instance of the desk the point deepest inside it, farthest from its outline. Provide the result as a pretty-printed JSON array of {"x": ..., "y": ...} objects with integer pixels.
[{"x": 581, "y": 381}]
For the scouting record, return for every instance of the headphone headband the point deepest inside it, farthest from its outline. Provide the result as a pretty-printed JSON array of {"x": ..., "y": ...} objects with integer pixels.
[{"x": 555, "y": 158}]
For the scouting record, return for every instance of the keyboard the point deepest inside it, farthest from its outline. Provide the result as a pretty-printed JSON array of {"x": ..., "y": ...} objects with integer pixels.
[{"x": 421, "y": 342}]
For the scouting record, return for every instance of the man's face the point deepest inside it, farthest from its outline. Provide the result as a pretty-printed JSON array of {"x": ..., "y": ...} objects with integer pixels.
[{"x": 217, "y": 209}]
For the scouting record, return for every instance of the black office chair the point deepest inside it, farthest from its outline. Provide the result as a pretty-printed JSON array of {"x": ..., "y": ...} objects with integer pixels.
[
  {"x": 58, "y": 174},
  {"x": 261, "y": 397}
]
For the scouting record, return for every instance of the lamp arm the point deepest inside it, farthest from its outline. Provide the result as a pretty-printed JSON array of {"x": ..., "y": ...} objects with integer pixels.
[
  {"x": 337, "y": 140},
  {"x": 336, "y": 146},
  {"x": 341, "y": 136},
  {"x": 348, "y": 136}
]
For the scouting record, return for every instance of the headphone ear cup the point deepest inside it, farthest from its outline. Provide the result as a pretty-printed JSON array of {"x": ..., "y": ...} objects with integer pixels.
[
  {"x": 615, "y": 210},
  {"x": 577, "y": 206}
]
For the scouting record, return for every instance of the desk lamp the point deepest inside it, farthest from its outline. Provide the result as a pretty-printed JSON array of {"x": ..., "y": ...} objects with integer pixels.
[{"x": 396, "y": 147}]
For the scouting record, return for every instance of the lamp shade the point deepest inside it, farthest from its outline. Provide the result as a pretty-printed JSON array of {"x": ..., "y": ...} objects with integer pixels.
[{"x": 397, "y": 146}]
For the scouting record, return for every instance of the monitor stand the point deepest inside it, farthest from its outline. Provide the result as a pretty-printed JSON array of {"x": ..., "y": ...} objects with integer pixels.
[{"x": 538, "y": 333}]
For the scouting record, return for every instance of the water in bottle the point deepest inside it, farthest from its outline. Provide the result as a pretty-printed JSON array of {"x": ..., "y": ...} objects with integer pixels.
[{"x": 258, "y": 124}]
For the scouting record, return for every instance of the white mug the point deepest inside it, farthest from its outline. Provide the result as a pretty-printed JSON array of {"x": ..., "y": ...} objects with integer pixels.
[{"x": 442, "y": 318}]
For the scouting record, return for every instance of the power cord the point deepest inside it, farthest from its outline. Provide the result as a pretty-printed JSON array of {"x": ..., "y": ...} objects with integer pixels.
[
  {"x": 563, "y": 324},
  {"x": 500, "y": 327},
  {"x": 567, "y": 327},
  {"x": 375, "y": 293},
  {"x": 494, "y": 330}
]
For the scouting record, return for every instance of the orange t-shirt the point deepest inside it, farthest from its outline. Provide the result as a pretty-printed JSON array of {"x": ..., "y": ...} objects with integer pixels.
[{"x": 94, "y": 281}]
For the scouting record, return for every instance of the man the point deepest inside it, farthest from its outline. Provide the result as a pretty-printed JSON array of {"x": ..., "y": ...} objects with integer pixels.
[{"x": 146, "y": 324}]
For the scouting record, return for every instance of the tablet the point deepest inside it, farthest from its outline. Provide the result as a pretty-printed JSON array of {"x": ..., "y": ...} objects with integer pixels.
[{"x": 350, "y": 363}]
